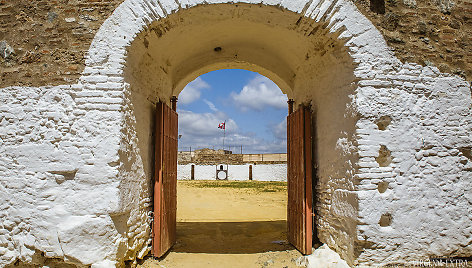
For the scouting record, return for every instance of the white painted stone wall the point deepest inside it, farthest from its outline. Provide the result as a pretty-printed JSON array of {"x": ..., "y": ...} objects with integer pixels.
[
  {"x": 75, "y": 161},
  {"x": 261, "y": 172},
  {"x": 58, "y": 178},
  {"x": 428, "y": 183}
]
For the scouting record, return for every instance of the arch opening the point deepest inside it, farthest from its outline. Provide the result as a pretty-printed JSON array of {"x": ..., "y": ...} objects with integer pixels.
[{"x": 221, "y": 211}]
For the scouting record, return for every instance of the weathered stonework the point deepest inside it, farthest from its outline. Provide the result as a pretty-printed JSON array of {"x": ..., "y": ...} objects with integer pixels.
[
  {"x": 429, "y": 32},
  {"x": 76, "y": 160},
  {"x": 209, "y": 157},
  {"x": 51, "y": 38},
  {"x": 215, "y": 157}
]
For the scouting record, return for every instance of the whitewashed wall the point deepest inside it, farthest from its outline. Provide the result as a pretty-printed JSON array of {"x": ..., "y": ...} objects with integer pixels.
[
  {"x": 276, "y": 172},
  {"x": 59, "y": 189}
]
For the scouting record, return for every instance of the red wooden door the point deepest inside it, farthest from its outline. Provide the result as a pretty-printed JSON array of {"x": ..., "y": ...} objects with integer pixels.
[
  {"x": 300, "y": 202},
  {"x": 165, "y": 184}
]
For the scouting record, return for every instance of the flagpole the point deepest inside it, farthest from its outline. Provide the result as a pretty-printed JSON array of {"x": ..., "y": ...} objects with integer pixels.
[{"x": 224, "y": 134}]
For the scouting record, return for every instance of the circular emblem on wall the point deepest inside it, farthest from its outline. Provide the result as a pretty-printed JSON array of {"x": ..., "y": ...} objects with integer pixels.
[{"x": 222, "y": 175}]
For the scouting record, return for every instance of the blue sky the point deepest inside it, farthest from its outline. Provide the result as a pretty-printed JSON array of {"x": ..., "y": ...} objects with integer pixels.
[{"x": 254, "y": 108}]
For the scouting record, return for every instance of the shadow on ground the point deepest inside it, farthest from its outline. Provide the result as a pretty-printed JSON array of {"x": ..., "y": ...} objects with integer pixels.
[{"x": 231, "y": 237}]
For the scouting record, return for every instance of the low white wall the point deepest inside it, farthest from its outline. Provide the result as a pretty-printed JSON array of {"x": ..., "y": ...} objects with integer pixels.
[{"x": 276, "y": 172}]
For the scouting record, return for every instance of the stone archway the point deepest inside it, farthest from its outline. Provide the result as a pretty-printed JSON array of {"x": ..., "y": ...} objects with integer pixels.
[{"x": 310, "y": 50}]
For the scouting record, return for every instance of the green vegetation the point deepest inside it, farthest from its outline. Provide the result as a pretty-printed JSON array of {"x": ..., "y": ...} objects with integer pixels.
[{"x": 260, "y": 186}]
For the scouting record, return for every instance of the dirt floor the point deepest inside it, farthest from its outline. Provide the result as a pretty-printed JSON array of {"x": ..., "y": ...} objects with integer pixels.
[{"x": 230, "y": 224}]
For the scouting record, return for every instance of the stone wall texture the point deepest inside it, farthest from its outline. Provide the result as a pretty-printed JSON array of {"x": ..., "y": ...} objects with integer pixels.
[
  {"x": 392, "y": 145},
  {"x": 428, "y": 32},
  {"x": 49, "y": 39}
]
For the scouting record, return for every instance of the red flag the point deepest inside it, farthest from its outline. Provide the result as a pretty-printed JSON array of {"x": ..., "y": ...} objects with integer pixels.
[{"x": 222, "y": 125}]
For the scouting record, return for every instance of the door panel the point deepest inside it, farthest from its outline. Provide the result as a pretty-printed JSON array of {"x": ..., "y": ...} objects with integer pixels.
[
  {"x": 300, "y": 203},
  {"x": 165, "y": 185}
]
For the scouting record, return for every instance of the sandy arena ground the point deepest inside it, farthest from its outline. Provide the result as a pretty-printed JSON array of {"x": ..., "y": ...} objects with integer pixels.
[{"x": 230, "y": 224}]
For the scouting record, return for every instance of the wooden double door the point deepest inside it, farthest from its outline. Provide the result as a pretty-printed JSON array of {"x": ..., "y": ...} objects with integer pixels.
[{"x": 299, "y": 207}]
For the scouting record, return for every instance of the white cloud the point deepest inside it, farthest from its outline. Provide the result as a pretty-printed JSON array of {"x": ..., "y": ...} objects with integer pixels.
[
  {"x": 211, "y": 105},
  {"x": 258, "y": 94},
  {"x": 203, "y": 125},
  {"x": 200, "y": 130},
  {"x": 280, "y": 130},
  {"x": 192, "y": 91}
]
